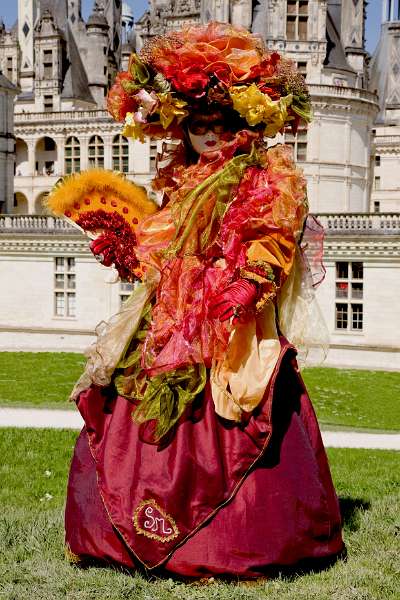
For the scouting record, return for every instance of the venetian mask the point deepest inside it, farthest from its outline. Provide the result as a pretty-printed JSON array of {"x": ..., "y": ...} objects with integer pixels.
[{"x": 207, "y": 132}]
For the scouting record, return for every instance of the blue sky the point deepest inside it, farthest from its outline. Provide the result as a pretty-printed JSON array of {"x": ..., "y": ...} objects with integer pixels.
[{"x": 8, "y": 10}]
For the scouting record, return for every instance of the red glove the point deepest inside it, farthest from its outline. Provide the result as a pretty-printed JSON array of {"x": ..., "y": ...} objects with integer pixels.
[
  {"x": 233, "y": 300},
  {"x": 103, "y": 250}
]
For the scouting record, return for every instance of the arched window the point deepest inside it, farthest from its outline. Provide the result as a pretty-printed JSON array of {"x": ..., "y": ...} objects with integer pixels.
[
  {"x": 20, "y": 204},
  {"x": 72, "y": 155},
  {"x": 21, "y": 158},
  {"x": 45, "y": 156},
  {"x": 120, "y": 154},
  {"x": 40, "y": 204},
  {"x": 96, "y": 152}
]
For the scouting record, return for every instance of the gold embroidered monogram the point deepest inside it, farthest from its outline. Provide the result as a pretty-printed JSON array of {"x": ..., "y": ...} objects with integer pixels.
[{"x": 152, "y": 521}]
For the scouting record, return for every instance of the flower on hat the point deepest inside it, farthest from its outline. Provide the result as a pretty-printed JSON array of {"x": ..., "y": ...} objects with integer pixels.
[
  {"x": 257, "y": 107},
  {"x": 171, "y": 108},
  {"x": 214, "y": 64},
  {"x": 120, "y": 102},
  {"x": 146, "y": 104},
  {"x": 191, "y": 81}
]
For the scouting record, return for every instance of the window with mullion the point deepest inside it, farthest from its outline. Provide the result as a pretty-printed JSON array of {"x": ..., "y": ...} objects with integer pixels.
[
  {"x": 298, "y": 143},
  {"x": 72, "y": 155},
  {"x": 297, "y": 20},
  {"x": 120, "y": 154},
  {"x": 64, "y": 286},
  {"x": 96, "y": 152},
  {"x": 349, "y": 296}
]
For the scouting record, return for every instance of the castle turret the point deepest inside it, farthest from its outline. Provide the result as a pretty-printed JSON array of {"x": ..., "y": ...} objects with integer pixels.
[
  {"x": 97, "y": 58},
  {"x": 385, "y": 81},
  {"x": 27, "y": 14},
  {"x": 50, "y": 58},
  {"x": 127, "y": 34},
  {"x": 112, "y": 12},
  {"x": 385, "y": 65},
  {"x": 353, "y": 37},
  {"x": 7, "y": 144}
]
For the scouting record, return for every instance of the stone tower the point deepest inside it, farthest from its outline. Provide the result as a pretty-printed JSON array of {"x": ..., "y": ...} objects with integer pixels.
[
  {"x": 7, "y": 143},
  {"x": 127, "y": 35},
  {"x": 112, "y": 12},
  {"x": 97, "y": 54},
  {"x": 385, "y": 80},
  {"x": 27, "y": 14}
]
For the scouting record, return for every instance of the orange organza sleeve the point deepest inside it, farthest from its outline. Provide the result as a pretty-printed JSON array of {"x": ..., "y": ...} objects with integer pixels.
[{"x": 269, "y": 211}]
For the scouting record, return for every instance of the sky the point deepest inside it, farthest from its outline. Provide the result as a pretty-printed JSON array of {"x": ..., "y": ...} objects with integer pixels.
[{"x": 8, "y": 10}]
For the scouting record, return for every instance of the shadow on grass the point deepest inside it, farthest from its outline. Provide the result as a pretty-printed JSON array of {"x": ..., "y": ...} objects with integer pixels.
[
  {"x": 350, "y": 509},
  {"x": 287, "y": 573}
]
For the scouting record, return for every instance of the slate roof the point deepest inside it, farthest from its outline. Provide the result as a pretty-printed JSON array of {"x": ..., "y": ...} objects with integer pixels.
[
  {"x": 75, "y": 84},
  {"x": 6, "y": 84},
  {"x": 335, "y": 54}
]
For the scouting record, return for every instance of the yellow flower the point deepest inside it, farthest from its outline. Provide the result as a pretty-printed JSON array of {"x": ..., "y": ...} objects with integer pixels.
[
  {"x": 257, "y": 107},
  {"x": 170, "y": 108},
  {"x": 132, "y": 128},
  {"x": 278, "y": 119}
]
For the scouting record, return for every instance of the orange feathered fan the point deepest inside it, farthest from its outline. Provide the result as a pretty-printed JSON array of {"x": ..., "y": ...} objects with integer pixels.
[{"x": 103, "y": 201}]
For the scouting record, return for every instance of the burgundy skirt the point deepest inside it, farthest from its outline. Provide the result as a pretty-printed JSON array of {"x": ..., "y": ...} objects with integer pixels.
[{"x": 217, "y": 498}]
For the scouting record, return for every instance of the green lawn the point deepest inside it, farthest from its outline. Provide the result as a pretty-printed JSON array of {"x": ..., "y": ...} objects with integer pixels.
[
  {"x": 33, "y": 473},
  {"x": 38, "y": 379},
  {"x": 342, "y": 397},
  {"x": 355, "y": 398}
]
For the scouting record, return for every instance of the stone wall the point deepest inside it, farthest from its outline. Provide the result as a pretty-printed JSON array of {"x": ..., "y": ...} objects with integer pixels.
[{"x": 30, "y": 247}]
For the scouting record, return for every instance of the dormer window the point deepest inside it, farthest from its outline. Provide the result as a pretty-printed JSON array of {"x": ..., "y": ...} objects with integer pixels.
[{"x": 297, "y": 20}]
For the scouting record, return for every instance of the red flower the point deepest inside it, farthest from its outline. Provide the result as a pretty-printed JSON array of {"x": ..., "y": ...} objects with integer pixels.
[
  {"x": 271, "y": 92},
  {"x": 275, "y": 58},
  {"x": 267, "y": 67},
  {"x": 119, "y": 102},
  {"x": 190, "y": 81},
  {"x": 223, "y": 73}
]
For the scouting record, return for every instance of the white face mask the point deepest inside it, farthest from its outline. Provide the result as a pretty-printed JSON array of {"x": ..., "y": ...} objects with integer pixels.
[{"x": 206, "y": 142}]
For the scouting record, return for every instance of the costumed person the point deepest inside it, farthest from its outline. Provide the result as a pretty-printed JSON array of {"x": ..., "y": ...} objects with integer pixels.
[{"x": 201, "y": 454}]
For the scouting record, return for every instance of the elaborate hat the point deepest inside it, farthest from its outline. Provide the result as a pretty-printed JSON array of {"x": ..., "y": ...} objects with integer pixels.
[{"x": 207, "y": 66}]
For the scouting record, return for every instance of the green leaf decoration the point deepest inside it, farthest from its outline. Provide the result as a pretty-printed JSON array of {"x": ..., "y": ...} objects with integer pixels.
[{"x": 138, "y": 70}]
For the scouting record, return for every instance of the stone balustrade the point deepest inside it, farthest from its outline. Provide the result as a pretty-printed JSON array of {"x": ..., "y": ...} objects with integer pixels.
[
  {"x": 35, "y": 224},
  {"x": 361, "y": 223},
  {"x": 87, "y": 116},
  {"x": 342, "y": 92},
  {"x": 386, "y": 140},
  {"x": 351, "y": 223}
]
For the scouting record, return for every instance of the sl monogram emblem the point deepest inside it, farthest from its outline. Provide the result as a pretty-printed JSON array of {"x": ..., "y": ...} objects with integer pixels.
[{"x": 150, "y": 520}]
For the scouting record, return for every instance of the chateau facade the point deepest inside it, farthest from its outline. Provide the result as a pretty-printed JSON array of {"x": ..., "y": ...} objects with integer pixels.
[{"x": 63, "y": 67}]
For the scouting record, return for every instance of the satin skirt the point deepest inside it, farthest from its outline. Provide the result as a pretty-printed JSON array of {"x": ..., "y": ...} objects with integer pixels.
[{"x": 216, "y": 498}]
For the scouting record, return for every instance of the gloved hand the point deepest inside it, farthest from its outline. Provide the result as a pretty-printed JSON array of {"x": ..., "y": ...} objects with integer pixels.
[
  {"x": 103, "y": 250},
  {"x": 233, "y": 300}
]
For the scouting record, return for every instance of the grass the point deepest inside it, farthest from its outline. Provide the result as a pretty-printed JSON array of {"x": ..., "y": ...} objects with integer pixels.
[
  {"x": 38, "y": 379},
  {"x": 342, "y": 397},
  {"x": 33, "y": 473},
  {"x": 355, "y": 398}
]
